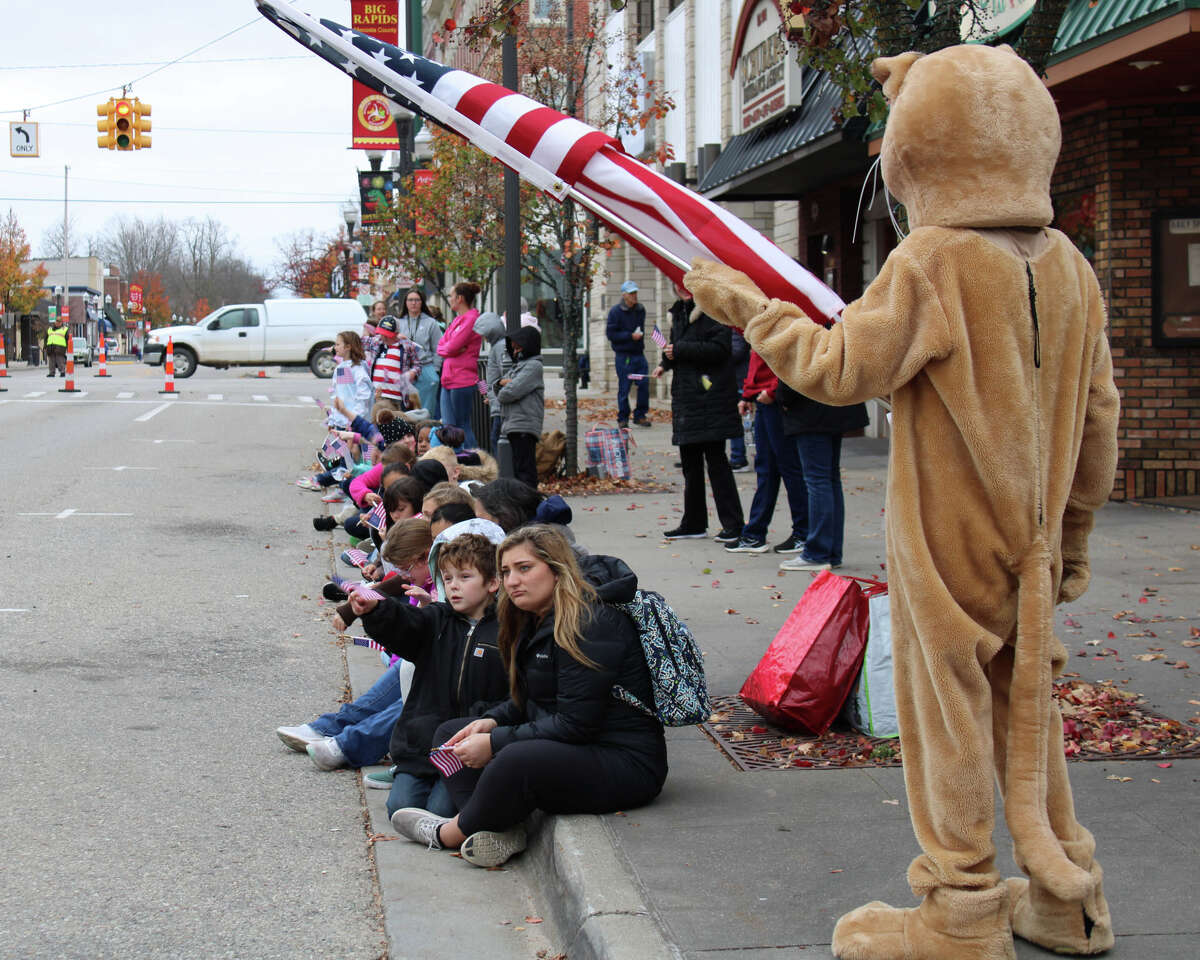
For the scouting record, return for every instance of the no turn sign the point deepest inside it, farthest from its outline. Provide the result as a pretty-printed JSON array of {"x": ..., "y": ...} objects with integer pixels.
[{"x": 22, "y": 139}]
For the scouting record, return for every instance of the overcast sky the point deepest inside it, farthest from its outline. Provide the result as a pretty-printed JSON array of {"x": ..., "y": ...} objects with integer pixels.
[{"x": 274, "y": 125}]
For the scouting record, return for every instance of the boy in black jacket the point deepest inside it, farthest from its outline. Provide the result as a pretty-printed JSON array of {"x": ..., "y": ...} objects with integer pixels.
[{"x": 452, "y": 645}]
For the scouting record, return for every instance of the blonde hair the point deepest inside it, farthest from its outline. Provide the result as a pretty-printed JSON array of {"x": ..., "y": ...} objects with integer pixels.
[
  {"x": 443, "y": 455},
  {"x": 571, "y": 601},
  {"x": 407, "y": 540},
  {"x": 446, "y": 492}
]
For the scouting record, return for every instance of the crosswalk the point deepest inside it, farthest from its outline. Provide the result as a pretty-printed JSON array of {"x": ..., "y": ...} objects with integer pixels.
[{"x": 256, "y": 399}]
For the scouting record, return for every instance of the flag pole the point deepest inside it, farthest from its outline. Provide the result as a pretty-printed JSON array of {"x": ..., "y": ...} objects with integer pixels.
[{"x": 626, "y": 227}]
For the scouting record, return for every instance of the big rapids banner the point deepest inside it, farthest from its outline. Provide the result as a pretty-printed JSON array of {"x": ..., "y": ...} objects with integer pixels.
[{"x": 372, "y": 127}]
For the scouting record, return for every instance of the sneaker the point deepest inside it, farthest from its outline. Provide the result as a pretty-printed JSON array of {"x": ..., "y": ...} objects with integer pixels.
[
  {"x": 334, "y": 593},
  {"x": 489, "y": 848},
  {"x": 747, "y": 545},
  {"x": 680, "y": 534},
  {"x": 743, "y": 467},
  {"x": 419, "y": 825},
  {"x": 326, "y": 754},
  {"x": 729, "y": 535},
  {"x": 623, "y": 424},
  {"x": 800, "y": 562},
  {"x": 792, "y": 544},
  {"x": 309, "y": 483},
  {"x": 379, "y": 780},
  {"x": 299, "y": 737},
  {"x": 644, "y": 422},
  {"x": 325, "y": 523},
  {"x": 336, "y": 495}
]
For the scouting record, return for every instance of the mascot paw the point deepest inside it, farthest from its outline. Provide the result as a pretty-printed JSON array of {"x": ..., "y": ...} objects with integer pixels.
[
  {"x": 1070, "y": 927},
  {"x": 949, "y": 925},
  {"x": 727, "y": 295}
]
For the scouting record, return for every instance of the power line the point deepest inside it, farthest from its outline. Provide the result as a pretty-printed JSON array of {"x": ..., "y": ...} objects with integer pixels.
[
  {"x": 160, "y": 129},
  {"x": 96, "y": 93},
  {"x": 148, "y": 63},
  {"x": 199, "y": 203},
  {"x": 169, "y": 186}
]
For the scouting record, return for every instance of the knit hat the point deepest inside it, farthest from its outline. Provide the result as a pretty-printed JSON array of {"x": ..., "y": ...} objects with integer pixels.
[
  {"x": 430, "y": 473},
  {"x": 396, "y": 430}
]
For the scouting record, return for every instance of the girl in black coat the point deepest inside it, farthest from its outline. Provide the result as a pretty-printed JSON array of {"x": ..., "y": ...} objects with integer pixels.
[
  {"x": 562, "y": 742},
  {"x": 704, "y": 414}
]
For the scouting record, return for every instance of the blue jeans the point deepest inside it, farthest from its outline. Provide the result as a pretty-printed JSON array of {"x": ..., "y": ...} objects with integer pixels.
[
  {"x": 429, "y": 388},
  {"x": 627, "y": 363},
  {"x": 737, "y": 450},
  {"x": 457, "y": 404},
  {"x": 776, "y": 458},
  {"x": 428, "y": 793},
  {"x": 821, "y": 456},
  {"x": 364, "y": 727}
]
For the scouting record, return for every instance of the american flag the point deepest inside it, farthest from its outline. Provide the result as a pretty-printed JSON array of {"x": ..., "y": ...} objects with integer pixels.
[
  {"x": 562, "y": 155},
  {"x": 377, "y": 518},
  {"x": 365, "y": 591},
  {"x": 356, "y": 557},
  {"x": 657, "y": 336},
  {"x": 369, "y": 644},
  {"x": 335, "y": 448},
  {"x": 445, "y": 759},
  {"x": 343, "y": 374}
]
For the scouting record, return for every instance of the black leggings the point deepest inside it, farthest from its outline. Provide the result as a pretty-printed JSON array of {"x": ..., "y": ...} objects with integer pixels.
[{"x": 548, "y": 775}]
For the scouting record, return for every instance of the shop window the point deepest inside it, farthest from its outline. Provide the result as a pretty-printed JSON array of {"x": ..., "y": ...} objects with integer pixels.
[
  {"x": 1175, "y": 271},
  {"x": 645, "y": 19}
]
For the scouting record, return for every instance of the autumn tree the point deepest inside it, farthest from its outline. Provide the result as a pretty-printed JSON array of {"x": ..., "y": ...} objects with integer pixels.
[
  {"x": 155, "y": 305},
  {"x": 843, "y": 37},
  {"x": 307, "y": 263},
  {"x": 19, "y": 290}
]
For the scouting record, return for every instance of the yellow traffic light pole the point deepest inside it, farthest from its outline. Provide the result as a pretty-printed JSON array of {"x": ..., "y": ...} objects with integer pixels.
[{"x": 124, "y": 126}]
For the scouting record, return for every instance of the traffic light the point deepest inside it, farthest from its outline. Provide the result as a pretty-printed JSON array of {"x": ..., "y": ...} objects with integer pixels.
[{"x": 124, "y": 126}]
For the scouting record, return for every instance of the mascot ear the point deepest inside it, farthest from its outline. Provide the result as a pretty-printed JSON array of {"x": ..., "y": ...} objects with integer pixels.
[{"x": 891, "y": 71}]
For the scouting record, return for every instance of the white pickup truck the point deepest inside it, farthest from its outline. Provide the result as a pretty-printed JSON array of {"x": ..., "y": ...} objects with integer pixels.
[{"x": 251, "y": 334}]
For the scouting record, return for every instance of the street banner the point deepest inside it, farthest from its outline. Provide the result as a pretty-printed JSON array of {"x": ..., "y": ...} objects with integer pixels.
[
  {"x": 562, "y": 156},
  {"x": 372, "y": 126},
  {"x": 422, "y": 180},
  {"x": 135, "y": 296}
]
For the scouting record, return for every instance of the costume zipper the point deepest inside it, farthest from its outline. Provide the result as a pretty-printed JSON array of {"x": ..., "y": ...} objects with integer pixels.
[
  {"x": 462, "y": 667},
  {"x": 1037, "y": 400}
]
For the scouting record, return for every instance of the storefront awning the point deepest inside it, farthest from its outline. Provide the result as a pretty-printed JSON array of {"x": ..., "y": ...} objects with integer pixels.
[{"x": 785, "y": 157}]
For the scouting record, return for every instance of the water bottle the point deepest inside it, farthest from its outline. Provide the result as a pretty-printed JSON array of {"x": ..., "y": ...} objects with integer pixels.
[{"x": 748, "y": 429}]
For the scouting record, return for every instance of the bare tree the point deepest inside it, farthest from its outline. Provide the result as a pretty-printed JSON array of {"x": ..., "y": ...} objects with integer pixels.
[
  {"x": 136, "y": 245},
  {"x": 51, "y": 247}
]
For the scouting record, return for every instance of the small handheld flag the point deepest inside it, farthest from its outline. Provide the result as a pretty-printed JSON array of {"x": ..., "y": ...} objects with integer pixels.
[
  {"x": 369, "y": 644},
  {"x": 657, "y": 336},
  {"x": 445, "y": 760},
  {"x": 377, "y": 518},
  {"x": 356, "y": 557}
]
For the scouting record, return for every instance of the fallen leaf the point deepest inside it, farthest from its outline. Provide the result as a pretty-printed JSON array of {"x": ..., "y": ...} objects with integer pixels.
[
  {"x": 1165, "y": 766},
  {"x": 836, "y": 871},
  {"x": 894, "y": 803},
  {"x": 1175, "y": 569},
  {"x": 534, "y": 920},
  {"x": 1147, "y": 657},
  {"x": 1119, "y": 779},
  {"x": 731, "y": 611},
  {"x": 1181, "y": 665}
]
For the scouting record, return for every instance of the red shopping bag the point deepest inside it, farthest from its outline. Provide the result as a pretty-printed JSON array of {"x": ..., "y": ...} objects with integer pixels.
[{"x": 808, "y": 670}]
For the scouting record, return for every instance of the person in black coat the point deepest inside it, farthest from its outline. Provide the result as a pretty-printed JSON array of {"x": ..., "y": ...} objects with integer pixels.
[
  {"x": 562, "y": 742},
  {"x": 817, "y": 429},
  {"x": 704, "y": 413}
]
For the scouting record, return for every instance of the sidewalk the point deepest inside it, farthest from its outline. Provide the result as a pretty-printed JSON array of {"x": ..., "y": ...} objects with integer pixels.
[{"x": 760, "y": 865}]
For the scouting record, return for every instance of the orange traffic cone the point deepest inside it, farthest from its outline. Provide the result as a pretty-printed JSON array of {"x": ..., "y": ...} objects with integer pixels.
[
  {"x": 169, "y": 369},
  {"x": 3, "y": 363},
  {"x": 262, "y": 374},
  {"x": 103, "y": 359},
  {"x": 69, "y": 386}
]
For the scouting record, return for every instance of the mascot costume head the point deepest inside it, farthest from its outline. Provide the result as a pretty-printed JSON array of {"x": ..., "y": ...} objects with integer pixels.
[{"x": 987, "y": 331}]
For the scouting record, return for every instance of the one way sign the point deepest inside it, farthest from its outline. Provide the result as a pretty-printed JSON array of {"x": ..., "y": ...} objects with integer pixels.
[{"x": 22, "y": 139}]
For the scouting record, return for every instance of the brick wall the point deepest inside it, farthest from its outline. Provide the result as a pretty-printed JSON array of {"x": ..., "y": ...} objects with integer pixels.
[{"x": 1139, "y": 158}]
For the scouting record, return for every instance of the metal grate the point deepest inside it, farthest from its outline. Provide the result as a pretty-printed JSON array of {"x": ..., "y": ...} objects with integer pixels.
[{"x": 1112, "y": 724}]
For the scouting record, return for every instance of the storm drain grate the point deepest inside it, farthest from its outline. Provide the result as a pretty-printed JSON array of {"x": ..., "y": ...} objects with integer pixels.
[{"x": 1100, "y": 722}]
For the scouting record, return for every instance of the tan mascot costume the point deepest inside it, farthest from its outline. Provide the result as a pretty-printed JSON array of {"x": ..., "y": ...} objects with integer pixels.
[{"x": 987, "y": 330}]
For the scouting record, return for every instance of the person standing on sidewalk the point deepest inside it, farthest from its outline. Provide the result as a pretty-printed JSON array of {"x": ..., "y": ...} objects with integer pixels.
[
  {"x": 57, "y": 335},
  {"x": 459, "y": 346},
  {"x": 776, "y": 459},
  {"x": 626, "y": 331},
  {"x": 814, "y": 430},
  {"x": 416, "y": 324},
  {"x": 522, "y": 396},
  {"x": 704, "y": 414}
]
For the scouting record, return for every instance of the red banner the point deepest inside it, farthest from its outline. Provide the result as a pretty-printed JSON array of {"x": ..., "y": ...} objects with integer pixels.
[
  {"x": 372, "y": 127},
  {"x": 135, "y": 297},
  {"x": 421, "y": 181}
]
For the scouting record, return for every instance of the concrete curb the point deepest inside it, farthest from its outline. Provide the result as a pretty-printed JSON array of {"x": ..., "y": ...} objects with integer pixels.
[{"x": 598, "y": 910}]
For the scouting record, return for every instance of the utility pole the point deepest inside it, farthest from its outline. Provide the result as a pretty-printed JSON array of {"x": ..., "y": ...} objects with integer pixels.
[
  {"x": 66, "y": 251},
  {"x": 512, "y": 205}
]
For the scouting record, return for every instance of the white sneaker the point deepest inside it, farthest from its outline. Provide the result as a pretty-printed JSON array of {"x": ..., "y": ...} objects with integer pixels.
[
  {"x": 326, "y": 754},
  {"x": 337, "y": 495},
  {"x": 799, "y": 563},
  {"x": 419, "y": 825},
  {"x": 298, "y": 737},
  {"x": 488, "y": 848}
]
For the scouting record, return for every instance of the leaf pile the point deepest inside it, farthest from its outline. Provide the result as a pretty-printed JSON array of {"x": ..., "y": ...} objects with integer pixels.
[
  {"x": 603, "y": 408},
  {"x": 585, "y": 485},
  {"x": 1100, "y": 722}
]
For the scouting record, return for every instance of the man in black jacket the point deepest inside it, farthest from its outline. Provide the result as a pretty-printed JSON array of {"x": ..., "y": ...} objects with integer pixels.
[{"x": 704, "y": 415}]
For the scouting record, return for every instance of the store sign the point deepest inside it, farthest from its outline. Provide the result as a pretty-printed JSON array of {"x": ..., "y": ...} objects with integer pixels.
[
  {"x": 767, "y": 77},
  {"x": 373, "y": 127}
]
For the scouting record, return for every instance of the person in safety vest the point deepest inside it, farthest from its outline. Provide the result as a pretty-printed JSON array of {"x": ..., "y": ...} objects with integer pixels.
[{"x": 56, "y": 346}]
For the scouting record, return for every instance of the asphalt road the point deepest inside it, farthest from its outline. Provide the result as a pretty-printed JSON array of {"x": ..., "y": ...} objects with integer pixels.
[{"x": 155, "y": 628}]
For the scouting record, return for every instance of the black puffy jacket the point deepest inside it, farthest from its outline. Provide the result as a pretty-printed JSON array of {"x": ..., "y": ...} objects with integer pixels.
[
  {"x": 703, "y": 353},
  {"x": 458, "y": 672},
  {"x": 561, "y": 699},
  {"x": 802, "y": 414}
]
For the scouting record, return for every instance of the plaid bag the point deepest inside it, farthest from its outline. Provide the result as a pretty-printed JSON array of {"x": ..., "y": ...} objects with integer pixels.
[{"x": 608, "y": 450}]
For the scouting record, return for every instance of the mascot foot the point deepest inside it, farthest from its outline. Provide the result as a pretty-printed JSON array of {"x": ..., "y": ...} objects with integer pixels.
[
  {"x": 949, "y": 924},
  {"x": 1063, "y": 926}
]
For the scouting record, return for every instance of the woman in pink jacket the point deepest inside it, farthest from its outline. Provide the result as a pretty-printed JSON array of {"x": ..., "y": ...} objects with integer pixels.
[{"x": 460, "y": 372}]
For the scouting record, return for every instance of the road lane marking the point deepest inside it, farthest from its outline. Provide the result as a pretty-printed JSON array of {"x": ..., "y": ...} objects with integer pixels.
[
  {"x": 66, "y": 513},
  {"x": 307, "y": 399},
  {"x": 169, "y": 440},
  {"x": 124, "y": 396},
  {"x": 216, "y": 396},
  {"x": 118, "y": 469},
  {"x": 73, "y": 512},
  {"x": 14, "y": 609},
  {"x": 260, "y": 398},
  {"x": 152, "y": 413},
  {"x": 36, "y": 393}
]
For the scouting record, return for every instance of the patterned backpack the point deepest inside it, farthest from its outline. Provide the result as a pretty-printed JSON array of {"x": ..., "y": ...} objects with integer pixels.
[{"x": 675, "y": 662}]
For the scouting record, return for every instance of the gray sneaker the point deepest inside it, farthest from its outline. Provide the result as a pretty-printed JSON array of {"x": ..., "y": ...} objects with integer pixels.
[
  {"x": 800, "y": 562},
  {"x": 326, "y": 754},
  {"x": 298, "y": 738},
  {"x": 419, "y": 825},
  {"x": 488, "y": 848}
]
